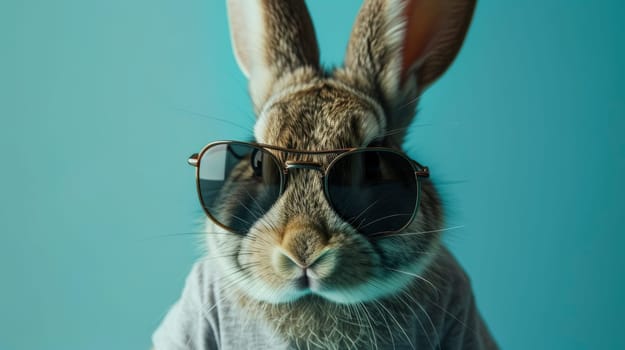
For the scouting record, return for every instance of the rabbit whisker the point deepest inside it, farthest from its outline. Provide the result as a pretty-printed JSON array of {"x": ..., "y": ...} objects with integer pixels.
[
  {"x": 381, "y": 219},
  {"x": 419, "y": 320},
  {"x": 180, "y": 234},
  {"x": 414, "y": 275},
  {"x": 363, "y": 211},
  {"x": 223, "y": 120},
  {"x": 420, "y": 232},
  {"x": 382, "y": 310}
]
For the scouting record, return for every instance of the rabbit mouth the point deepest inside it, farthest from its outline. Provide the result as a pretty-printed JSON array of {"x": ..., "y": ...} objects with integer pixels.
[{"x": 305, "y": 287}]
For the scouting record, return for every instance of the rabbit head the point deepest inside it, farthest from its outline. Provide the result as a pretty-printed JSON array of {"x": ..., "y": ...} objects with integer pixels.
[{"x": 396, "y": 50}]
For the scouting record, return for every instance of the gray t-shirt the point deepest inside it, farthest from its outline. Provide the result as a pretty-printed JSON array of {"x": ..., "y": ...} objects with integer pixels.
[{"x": 204, "y": 319}]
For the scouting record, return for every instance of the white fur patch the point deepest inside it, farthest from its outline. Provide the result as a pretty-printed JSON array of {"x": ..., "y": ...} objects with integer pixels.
[
  {"x": 390, "y": 282},
  {"x": 394, "y": 38},
  {"x": 246, "y": 32}
]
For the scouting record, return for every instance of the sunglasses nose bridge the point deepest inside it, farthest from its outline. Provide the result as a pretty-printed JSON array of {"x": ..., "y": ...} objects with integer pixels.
[{"x": 303, "y": 165}]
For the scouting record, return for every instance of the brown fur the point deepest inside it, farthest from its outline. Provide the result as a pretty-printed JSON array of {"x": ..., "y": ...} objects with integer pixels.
[{"x": 301, "y": 107}]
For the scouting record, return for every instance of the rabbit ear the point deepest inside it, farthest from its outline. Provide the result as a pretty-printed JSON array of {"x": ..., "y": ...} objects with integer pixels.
[
  {"x": 404, "y": 45},
  {"x": 271, "y": 38}
]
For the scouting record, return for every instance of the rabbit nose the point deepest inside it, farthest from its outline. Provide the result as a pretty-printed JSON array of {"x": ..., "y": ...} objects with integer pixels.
[
  {"x": 321, "y": 265},
  {"x": 283, "y": 260},
  {"x": 303, "y": 241},
  {"x": 303, "y": 247}
]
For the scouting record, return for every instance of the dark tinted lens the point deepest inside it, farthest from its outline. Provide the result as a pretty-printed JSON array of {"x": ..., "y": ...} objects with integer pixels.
[
  {"x": 238, "y": 184},
  {"x": 374, "y": 191}
]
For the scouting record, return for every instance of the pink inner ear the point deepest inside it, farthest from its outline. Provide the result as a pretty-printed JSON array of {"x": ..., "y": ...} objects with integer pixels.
[{"x": 423, "y": 18}]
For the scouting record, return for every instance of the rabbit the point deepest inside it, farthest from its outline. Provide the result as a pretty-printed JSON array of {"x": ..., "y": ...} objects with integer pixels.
[{"x": 401, "y": 290}]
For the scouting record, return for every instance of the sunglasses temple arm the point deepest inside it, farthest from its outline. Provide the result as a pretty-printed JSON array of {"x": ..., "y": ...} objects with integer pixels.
[
  {"x": 422, "y": 171},
  {"x": 193, "y": 160}
]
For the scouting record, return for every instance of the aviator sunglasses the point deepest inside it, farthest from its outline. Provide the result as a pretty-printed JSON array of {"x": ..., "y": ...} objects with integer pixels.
[{"x": 374, "y": 189}]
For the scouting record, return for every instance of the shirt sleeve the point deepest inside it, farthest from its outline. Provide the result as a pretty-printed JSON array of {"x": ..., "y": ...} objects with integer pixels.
[{"x": 187, "y": 325}]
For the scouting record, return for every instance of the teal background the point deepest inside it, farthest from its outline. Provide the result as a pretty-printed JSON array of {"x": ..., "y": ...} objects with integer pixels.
[{"x": 102, "y": 101}]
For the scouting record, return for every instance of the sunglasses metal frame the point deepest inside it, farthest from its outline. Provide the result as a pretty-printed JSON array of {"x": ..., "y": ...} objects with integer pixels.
[{"x": 420, "y": 171}]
